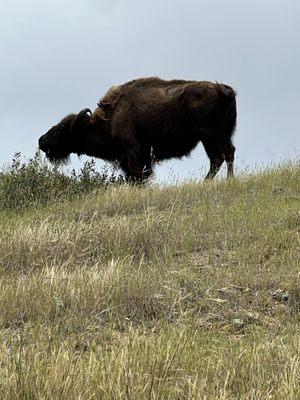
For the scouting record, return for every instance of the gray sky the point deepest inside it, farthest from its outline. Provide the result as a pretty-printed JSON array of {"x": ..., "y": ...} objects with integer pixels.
[{"x": 60, "y": 56}]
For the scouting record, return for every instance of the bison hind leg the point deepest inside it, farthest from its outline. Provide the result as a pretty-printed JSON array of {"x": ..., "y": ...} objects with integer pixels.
[
  {"x": 229, "y": 151},
  {"x": 217, "y": 153},
  {"x": 216, "y": 156},
  {"x": 215, "y": 165}
]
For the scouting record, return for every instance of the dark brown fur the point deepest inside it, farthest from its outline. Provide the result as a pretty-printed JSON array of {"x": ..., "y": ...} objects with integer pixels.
[{"x": 149, "y": 120}]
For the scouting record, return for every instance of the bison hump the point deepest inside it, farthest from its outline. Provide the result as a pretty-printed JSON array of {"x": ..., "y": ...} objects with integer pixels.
[{"x": 111, "y": 98}]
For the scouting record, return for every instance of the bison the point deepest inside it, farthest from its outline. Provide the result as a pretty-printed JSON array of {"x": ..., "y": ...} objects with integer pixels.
[{"x": 148, "y": 120}]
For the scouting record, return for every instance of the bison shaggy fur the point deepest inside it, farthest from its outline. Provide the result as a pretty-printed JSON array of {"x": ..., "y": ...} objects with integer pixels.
[{"x": 148, "y": 120}]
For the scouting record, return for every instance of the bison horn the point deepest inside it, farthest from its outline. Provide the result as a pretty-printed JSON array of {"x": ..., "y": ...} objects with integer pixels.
[
  {"x": 82, "y": 113},
  {"x": 82, "y": 116}
]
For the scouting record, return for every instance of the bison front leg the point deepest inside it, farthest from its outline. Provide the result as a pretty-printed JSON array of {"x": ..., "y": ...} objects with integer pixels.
[
  {"x": 137, "y": 165},
  {"x": 136, "y": 157}
]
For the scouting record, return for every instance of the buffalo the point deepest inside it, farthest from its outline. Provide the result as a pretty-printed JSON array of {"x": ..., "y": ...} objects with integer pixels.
[{"x": 148, "y": 120}]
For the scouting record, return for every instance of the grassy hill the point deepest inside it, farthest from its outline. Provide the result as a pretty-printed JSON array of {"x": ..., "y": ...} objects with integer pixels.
[{"x": 181, "y": 292}]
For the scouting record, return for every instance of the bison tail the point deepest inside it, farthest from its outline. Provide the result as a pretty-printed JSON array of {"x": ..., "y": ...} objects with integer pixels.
[
  {"x": 228, "y": 101},
  {"x": 226, "y": 93}
]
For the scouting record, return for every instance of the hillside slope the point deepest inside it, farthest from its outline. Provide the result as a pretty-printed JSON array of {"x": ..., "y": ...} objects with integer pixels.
[{"x": 184, "y": 292}]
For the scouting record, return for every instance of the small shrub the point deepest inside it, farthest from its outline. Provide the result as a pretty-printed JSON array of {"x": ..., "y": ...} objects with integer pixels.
[{"x": 24, "y": 185}]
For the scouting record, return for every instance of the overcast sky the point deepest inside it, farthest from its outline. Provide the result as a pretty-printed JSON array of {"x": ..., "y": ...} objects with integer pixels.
[{"x": 60, "y": 56}]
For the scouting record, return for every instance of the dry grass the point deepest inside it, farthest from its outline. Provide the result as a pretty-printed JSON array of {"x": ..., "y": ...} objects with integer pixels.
[{"x": 185, "y": 292}]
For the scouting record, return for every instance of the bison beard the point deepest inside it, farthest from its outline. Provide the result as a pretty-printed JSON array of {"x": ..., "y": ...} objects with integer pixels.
[{"x": 148, "y": 120}]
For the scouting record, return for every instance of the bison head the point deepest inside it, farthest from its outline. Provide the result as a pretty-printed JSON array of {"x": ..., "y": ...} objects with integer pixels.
[{"x": 65, "y": 137}]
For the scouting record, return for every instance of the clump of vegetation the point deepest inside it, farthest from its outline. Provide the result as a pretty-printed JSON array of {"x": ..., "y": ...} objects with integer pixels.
[{"x": 32, "y": 183}]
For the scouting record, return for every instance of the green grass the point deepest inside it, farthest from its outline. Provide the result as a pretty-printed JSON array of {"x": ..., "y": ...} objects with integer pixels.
[{"x": 182, "y": 292}]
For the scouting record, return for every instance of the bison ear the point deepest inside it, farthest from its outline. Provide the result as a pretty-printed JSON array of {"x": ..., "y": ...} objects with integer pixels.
[
  {"x": 99, "y": 115},
  {"x": 83, "y": 119}
]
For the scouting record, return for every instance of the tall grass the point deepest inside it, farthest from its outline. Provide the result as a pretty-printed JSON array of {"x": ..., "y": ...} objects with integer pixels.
[{"x": 181, "y": 292}]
